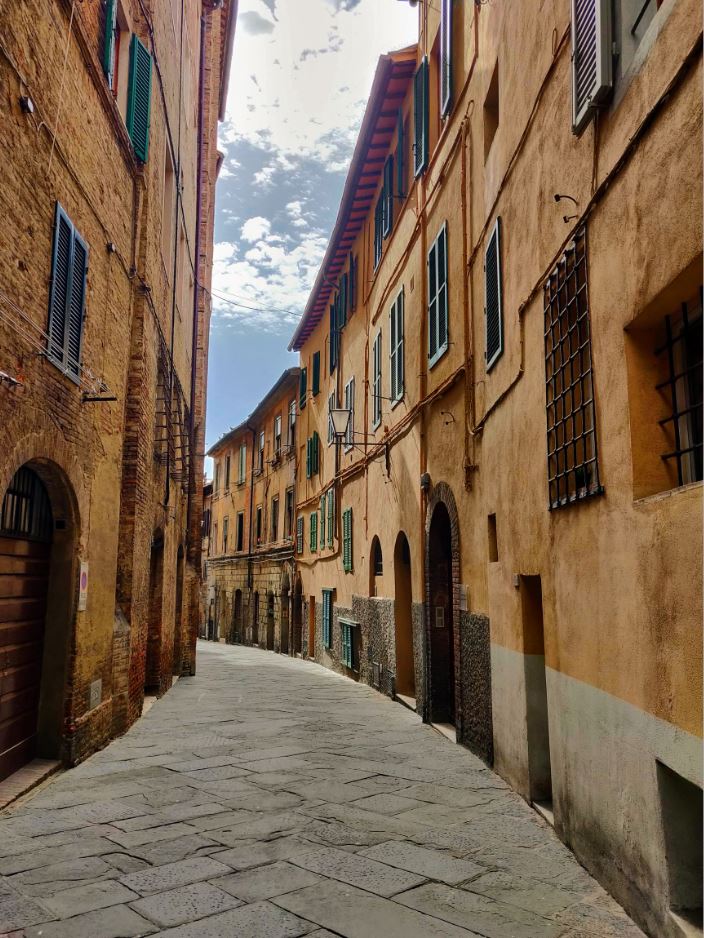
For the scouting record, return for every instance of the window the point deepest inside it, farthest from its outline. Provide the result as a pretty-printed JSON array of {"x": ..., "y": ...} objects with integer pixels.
[
  {"x": 67, "y": 295},
  {"x": 275, "y": 518},
  {"x": 242, "y": 466},
  {"x": 388, "y": 197},
  {"x": 491, "y": 111},
  {"x": 376, "y": 381},
  {"x": 322, "y": 520},
  {"x": 396, "y": 361},
  {"x": 378, "y": 229},
  {"x": 400, "y": 156},
  {"x": 347, "y": 540},
  {"x": 347, "y": 650},
  {"x": 331, "y": 516},
  {"x": 342, "y": 303},
  {"x": 225, "y": 530},
  {"x": 116, "y": 52},
  {"x": 227, "y": 472},
  {"x": 259, "y": 524},
  {"x": 316, "y": 373},
  {"x": 445, "y": 57},
  {"x": 139, "y": 98},
  {"x": 493, "y": 543},
  {"x": 216, "y": 486},
  {"x": 292, "y": 425},
  {"x": 327, "y": 618},
  {"x": 288, "y": 514},
  {"x": 303, "y": 388},
  {"x": 215, "y": 538},
  {"x": 299, "y": 534},
  {"x": 312, "y": 455},
  {"x": 313, "y": 531},
  {"x": 353, "y": 283},
  {"x": 240, "y": 530},
  {"x": 591, "y": 59},
  {"x": 420, "y": 118},
  {"x": 573, "y": 468},
  {"x": 349, "y": 405},
  {"x": 260, "y": 454},
  {"x": 377, "y": 558},
  {"x": 332, "y": 405},
  {"x": 682, "y": 354},
  {"x": 493, "y": 310},
  {"x": 334, "y": 338},
  {"x": 632, "y": 19},
  {"x": 437, "y": 297}
]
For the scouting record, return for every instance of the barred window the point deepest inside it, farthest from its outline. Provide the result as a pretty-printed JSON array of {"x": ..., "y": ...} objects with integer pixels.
[
  {"x": 573, "y": 466},
  {"x": 682, "y": 349}
]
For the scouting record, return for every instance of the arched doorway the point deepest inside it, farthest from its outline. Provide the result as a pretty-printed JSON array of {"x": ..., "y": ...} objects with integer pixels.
[
  {"x": 237, "y": 616},
  {"x": 255, "y": 621},
  {"x": 38, "y": 525},
  {"x": 178, "y": 612},
  {"x": 152, "y": 670},
  {"x": 297, "y": 642},
  {"x": 440, "y": 618},
  {"x": 376, "y": 567},
  {"x": 284, "y": 613},
  {"x": 270, "y": 621},
  {"x": 403, "y": 618}
]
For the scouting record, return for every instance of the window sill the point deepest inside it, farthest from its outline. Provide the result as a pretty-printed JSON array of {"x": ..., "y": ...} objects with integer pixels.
[
  {"x": 438, "y": 355},
  {"x": 397, "y": 401},
  {"x": 64, "y": 369},
  {"x": 667, "y": 493}
]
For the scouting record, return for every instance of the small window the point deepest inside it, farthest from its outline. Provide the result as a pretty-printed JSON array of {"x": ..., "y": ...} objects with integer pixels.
[
  {"x": 332, "y": 405},
  {"x": 493, "y": 543},
  {"x": 387, "y": 197},
  {"x": 260, "y": 454},
  {"x": 259, "y": 525},
  {"x": 396, "y": 353},
  {"x": 139, "y": 95},
  {"x": 491, "y": 111},
  {"x": 227, "y": 472},
  {"x": 277, "y": 435},
  {"x": 591, "y": 58},
  {"x": 353, "y": 283},
  {"x": 376, "y": 381},
  {"x": 347, "y": 563},
  {"x": 378, "y": 229},
  {"x": 288, "y": 515},
  {"x": 400, "y": 156},
  {"x": 331, "y": 516},
  {"x": 573, "y": 467},
  {"x": 377, "y": 558},
  {"x": 323, "y": 508},
  {"x": 242, "y": 465},
  {"x": 313, "y": 531},
  {"x": 291, "y": 442},
  {"x": 347, "y": 644},
  {"x": 240, "y": 530},
  {"x": 303, "y": 388},
  {"x": 216, "y": 484},
  {"x": 493, "y": 311},
  {"x": 225, "y": 531},
  {"x": 445, "y": 57},
  {"x": 327, "y": 618},
  {"x": 316, "y": 373},
  {"x": 437, "y": 298},
  {"x": 275, "y": 518},
  {"x": 420, "y": 118},
  {"x": 334, "y": 338}
]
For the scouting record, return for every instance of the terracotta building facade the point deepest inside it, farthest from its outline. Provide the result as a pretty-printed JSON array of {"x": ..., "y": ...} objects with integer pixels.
[
  {"x": 251, "y": 595},
  {"x": 507, "y": 324},
  {"x": 110, "y": 163}
]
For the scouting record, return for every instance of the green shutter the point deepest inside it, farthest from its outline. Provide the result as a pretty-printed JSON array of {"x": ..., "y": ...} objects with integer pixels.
[
  {"x": 331, "y": 516},
  {"x": 322, "y": 520},
  {"x": 314, "y": 531},
  {"x": 309, "y": 461},
  {"x": 299, "y": 534},
  {"x": 333, "y": 337},
  {"x": 347, "y": 540},
  {"x": 109, "y": 40},
  {"x": 139, "y": 94},
  {"x": 388, "y": 196},
  {"x": 343, "y": 300},
  {"x": 303, "y": 386},
  {"x": 67, "y": 295},
  {"x": 400, "y": 157},
  {"x": 316, "y": 373},
  {"x": 420, "y": 118},
  {"x": 315, "y": 453}
]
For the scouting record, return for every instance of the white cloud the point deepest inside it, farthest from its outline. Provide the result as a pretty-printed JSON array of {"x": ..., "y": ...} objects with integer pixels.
[{"x": 255, "y": 228}]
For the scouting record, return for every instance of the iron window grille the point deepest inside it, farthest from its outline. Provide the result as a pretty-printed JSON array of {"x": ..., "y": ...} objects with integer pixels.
[
  {"x": 347, "y": 650},
  {"x": 26, "y": 510},
  {"x": 683, "y": 348},
  {"x": 573, "y": 465}
]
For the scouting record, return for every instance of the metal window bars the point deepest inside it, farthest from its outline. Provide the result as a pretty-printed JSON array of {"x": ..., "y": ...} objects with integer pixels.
[
  {"x": 683, "y": 348},
  {"x": 172, "y": 429},
  {"x": 572, "y": 455},
  {"x": 26, "y": 511}
]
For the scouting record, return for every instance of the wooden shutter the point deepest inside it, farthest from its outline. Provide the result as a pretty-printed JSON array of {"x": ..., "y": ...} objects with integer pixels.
[
  {"x": 591, "y": 58},
  {"x": 76, "y": 305},
  {"x": 420, "y": 118},
  {"x": 139, "y": 95},
  {"x": 347, "y": 540},
  {"x": 67, "y": 294},
  {"x": 396, "y": 348},
  {"x": 314, "y": 531},
  {"x": 442, "y": 289},
  {"x": 303, "y": 388},
  {"x": 299, "y": 534},
  {"x": 343, "y": 301},
  {"x": 109, "y": 40},
  {"x": 378, "y": 229},
  {"x": 331, "y": 517},
  {"x": 316, "y": 373},
  {"x": 353, "y": 283},
  {"x": 388, "y": 196},
  {"x": 400, "y": 156},
  {"x": 437, "y": 298},
  {"x": 376, "y": 380},
  {"x": 432, "y": 303},
  {"x": 492, "y": 285},
  {"x": 314, "y": 453},
  {"x": 445, "y": 57},
  {"x": 333, "y": 337},
  {"x": 308, "y": 458},
  {"x": 322, "y": 520}
]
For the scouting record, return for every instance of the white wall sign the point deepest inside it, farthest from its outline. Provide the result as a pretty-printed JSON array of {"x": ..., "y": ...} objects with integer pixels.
[{"x": 83, "y": 587}]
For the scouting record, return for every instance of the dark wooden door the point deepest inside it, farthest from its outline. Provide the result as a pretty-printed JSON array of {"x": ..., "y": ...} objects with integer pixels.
[{"x": 24, "y": 577}]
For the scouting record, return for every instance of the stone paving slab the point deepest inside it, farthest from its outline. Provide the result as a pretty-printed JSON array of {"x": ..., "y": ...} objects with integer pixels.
[{"x": 270, "y": 798}]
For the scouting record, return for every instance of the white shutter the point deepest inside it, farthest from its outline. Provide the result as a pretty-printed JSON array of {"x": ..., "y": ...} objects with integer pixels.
[
  {"x": 591, "y": 58},
  {"x": 493, "y": 311}
]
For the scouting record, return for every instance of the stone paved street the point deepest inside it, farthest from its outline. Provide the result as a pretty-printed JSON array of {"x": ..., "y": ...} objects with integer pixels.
[{"x": 268, "y": 798}]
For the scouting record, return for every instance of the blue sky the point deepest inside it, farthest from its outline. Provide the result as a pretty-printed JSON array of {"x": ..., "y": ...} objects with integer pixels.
[{"x": 301, "y": 74}]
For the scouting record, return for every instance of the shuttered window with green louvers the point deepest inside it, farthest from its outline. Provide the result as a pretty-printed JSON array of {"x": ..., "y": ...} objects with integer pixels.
[
  {"x": 67, "y": 295},
  {"x": 322, "y": 520},
  {"x": 342, "y": 299},
  {"x": 492, "y": 291},
  {"x": 316, "y": 373},
  {"x": 420, "y": 118},
  {"x": 400, "y": 157},
  {"x": 109, "y": 41},
  {"x": 302, "y": 388},
  {"x": 299, "y": 534},
  {"x": 139, "y": 95},
  {"x": 378, "y": 230},
  {"x": 347, "y": 540},
  {"x": 388, "y": 196},
  {"x": 327, "y": 618},
  {"x": 353, "y": 283},
  {"x": 334, "y": 338},
  {"x": 315, "y": 453},
  {"x": 437, "y": 298},
  {"x": 314, "y": 531},
  {"x": 331, "y": 516}
]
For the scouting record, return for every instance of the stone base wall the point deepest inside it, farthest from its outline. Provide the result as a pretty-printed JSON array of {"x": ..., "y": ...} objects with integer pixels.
[
  {"x": 419, "y": 657},
  {"x": 474, "y": 721},
  {"x": 377, "y": 642}
]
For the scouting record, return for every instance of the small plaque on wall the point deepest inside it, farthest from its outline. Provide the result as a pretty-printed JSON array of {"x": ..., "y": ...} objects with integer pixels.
[
  {"x": 439, "y": 617},
  {"x": 463, "y": 597},
  {"x": 83, "y": 587},
  {"x": 96, "y": 693}
]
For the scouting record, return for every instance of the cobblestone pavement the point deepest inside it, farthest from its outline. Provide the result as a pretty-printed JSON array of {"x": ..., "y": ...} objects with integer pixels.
[{"x": 269, "y": 798}]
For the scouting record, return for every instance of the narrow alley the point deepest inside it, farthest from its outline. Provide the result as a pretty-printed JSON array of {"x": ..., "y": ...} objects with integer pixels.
[{"x": 249, "y": 801}]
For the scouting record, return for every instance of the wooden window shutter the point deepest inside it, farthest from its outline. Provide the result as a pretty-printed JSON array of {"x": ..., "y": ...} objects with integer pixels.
[
  {"x": 432, "y": 303},
  {"x": 139, "y": 94},
  {"x": 353, "y": 283},
  {"x": 333, "y": 337},
  {"x": 343, "y": 301},
  {"x": 378, "y": 230},
  {"x": 591, "y": 58},
  {"x": 309, "y": 459},
  {"x": 67, "y": 295},
  {"x": 314, "y": 531},
  {"x": 493, "y": 309},
  {"x": 109, "y": 40},
  {"x": 316, "y": 373},
  {"x": 388, "y": 196},
  {"x": 400, "y": 156},
  {"x": 76, "y": 305},
  {"x": 442, "y": 288},
  {"x": 331, "y": 517},
  {"x": 303, "y": 388},
  {"x": 347, "y": 540},
  {"x": 322, "y": 520},
  {"x": 314, "y": 453},
  {"x": 445, "y": 58},
  {"x": 299, "y": 534},
  {"x": 420, "y": 118}
]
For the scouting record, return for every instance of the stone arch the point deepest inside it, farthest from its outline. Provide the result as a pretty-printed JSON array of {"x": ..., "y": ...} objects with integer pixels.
[
  {"x": 403, "y": 618},
  {"x": 442, "y": 702},
  {"x": 376, "y": 565}
]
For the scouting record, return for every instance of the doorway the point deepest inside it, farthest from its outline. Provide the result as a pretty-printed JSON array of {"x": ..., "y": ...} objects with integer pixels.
[
  {"x": 284, "y": 618},
  {"x": 255, "y": 621},
  {"x": 152, "y": 670},
  {"x": 237, "y": 616},
  {"x": 297, "y": 618},
  {"x": 441, "y": 625},
  {"x": 403, "y": 618},
  {"x": 539, "y": 771},
  {"x": 270, "y": 621}
]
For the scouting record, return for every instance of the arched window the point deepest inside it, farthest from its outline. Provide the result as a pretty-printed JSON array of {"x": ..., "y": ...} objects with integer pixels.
[{"x": 377, "y": 558}]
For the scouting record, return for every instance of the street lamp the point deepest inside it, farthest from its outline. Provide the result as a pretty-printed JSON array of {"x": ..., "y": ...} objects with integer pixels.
[{"x": 340, "y": 418}]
